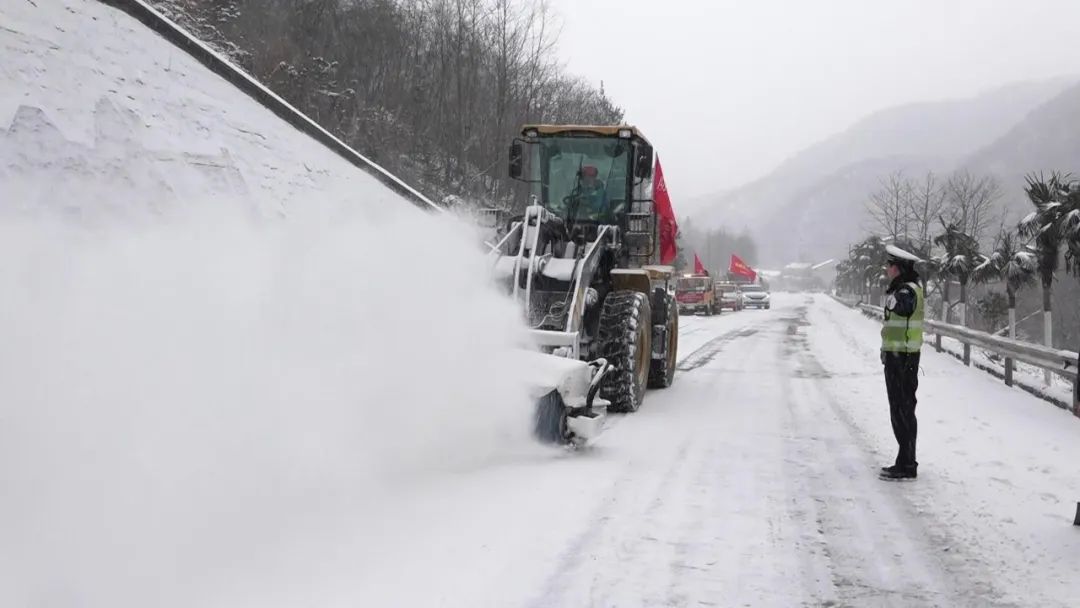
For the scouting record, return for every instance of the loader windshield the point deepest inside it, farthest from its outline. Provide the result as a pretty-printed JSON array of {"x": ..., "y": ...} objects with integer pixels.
[{"x": 584, "y": 178}]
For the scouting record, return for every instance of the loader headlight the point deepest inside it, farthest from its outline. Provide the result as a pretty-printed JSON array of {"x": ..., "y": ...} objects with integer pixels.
[{"x": 626, "y": 133}]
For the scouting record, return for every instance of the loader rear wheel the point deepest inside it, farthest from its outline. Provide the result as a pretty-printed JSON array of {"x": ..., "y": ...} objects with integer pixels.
[
  {"x": 662, "y": 371},
  {"x": 626, "y": 342}
]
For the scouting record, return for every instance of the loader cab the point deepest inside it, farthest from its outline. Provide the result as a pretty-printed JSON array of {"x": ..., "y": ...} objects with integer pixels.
[{"x": 591, "y": 175}]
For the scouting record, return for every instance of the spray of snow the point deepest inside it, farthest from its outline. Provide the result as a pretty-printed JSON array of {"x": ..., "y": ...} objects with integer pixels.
[
  {"x": 229, "y": 361},
  {"x": 192, "y": 402}
]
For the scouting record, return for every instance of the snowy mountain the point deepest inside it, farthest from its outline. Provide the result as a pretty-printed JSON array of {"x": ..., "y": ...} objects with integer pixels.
[
  {"x": 807, "y": 225},
  {"x": 1047, "y": 139},
  {"x": 818, "y": 194}
]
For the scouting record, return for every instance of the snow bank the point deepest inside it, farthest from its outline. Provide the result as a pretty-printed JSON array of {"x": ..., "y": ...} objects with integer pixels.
[
  {"x": 1029, "y": 377},
  {"x": 199, "y": 399}
]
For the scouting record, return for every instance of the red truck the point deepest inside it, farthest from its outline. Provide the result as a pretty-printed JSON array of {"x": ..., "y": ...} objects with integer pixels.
[{"x": 696, "y": 293}]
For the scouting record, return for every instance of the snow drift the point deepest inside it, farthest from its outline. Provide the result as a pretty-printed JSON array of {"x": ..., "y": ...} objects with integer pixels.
[{"x": 223, "y": 350}]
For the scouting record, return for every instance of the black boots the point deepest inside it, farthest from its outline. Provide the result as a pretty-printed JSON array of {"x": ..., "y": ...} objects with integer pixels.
[{"x": 896, "y": 473}]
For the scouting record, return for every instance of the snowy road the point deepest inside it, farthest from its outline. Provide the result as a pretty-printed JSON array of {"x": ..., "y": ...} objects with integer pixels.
[
  {"x": 752, "y": 482},
  {"x": 273, "y": 472}
]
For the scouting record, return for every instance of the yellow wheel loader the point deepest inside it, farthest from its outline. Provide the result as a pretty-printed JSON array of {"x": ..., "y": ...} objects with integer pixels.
[{"x": 583, "y": 262}]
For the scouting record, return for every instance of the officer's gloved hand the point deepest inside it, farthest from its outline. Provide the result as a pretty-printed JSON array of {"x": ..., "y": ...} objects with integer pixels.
[{"x": 883, "y": 356}]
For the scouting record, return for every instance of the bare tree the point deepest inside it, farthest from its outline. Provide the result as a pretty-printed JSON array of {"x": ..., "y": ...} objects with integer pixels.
[
  {"x": 431, "y": 89},
  {"x": 925, "y": 206},
  {"x": 890, "y": 207},
  {"x": 971, "y": 202}
]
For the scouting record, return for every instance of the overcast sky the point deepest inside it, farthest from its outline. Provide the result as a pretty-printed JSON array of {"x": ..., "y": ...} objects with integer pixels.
[{"x": 727, "y": 89}]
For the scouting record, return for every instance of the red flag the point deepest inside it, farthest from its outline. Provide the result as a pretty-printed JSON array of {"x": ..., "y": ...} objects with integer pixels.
[
  {"x": 668, "y": 227},
  {"x": 699, "y": 268},
  {"x": 740, "y": 268}
]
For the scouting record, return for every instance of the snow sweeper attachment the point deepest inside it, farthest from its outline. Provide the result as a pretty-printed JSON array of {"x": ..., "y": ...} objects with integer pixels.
[{"x": 582, "y": 260}]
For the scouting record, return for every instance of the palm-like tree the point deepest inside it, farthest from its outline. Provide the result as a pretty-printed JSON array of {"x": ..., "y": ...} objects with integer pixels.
[
  {"x": 1068, "y": 221},
  {"x": 868, "y": 262},
  {"x": 1068, "y": 226},
  {"x": 959, "y": 259},
  {"x": 1012, "y": 264},
  {"x": 1044, "y": 227},
  {"x": 846, "y": 277}
]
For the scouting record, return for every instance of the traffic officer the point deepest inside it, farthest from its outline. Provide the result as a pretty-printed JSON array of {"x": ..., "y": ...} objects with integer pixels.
[{"x": 901, "y": 342}]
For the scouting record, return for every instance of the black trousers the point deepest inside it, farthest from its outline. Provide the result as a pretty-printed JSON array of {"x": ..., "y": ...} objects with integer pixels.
[{"x": 901, "y": 382}]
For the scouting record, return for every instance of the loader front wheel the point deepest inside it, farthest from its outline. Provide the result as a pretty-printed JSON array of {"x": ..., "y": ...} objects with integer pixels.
[
  {"x": 662, "y": 371},
  {"x": 626, "y": 343}
]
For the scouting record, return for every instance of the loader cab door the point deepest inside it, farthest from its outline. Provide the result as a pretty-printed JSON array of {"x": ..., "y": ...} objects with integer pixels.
[{"x": 584, "y": 178}]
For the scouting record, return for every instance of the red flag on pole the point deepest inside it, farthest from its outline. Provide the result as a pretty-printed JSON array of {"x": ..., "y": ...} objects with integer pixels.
[
  {"x": 665, "y": 216},
  {"x": 699, "y": 268},
  {"x": 739, "y": 267}
]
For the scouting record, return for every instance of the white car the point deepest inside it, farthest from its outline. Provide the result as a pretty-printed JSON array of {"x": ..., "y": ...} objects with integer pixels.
[{"x": 755, "y": 296}]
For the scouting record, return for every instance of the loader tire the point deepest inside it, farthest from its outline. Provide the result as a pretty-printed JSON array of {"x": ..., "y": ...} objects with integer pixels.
[
  {"x": 626, "y": 343},
  {"x": 550, "y": 424},
  {"x": 662, "y": 371}
]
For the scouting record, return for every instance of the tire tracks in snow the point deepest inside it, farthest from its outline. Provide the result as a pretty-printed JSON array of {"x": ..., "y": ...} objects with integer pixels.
[
  {"x": 636, "y": 541},
  {"x": 691, "y": 520},
  {"x": 607, "y": 540},
  {"x": 753, "y": 486},
  {"x": 706, "y": 353},
  {"x": 697, "y": 358}
]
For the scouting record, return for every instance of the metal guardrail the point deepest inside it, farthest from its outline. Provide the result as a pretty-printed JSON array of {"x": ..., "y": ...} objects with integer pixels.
[
  {"x": 1060, "y": 362},
  {"x": 202, "y": 53}
]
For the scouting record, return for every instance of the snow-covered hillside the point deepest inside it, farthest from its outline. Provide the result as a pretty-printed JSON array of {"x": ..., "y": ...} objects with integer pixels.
[{"x": 98, "y": 112}]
